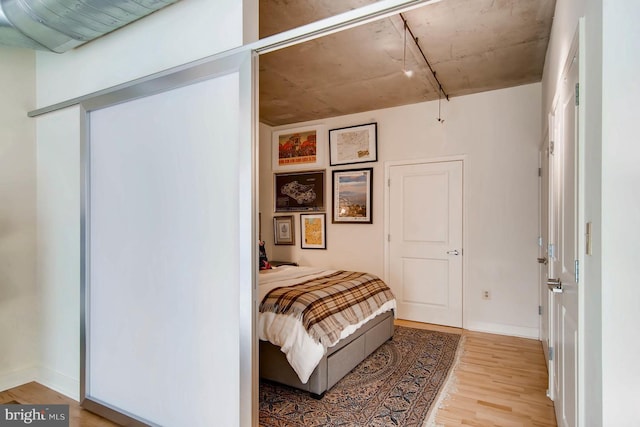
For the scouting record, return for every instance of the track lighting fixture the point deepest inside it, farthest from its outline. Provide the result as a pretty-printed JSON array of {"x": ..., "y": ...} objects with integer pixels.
[
  {"x": 409, "y": 73},
  {"x": 440, "y": 119},
  {"x": 406, "y": 72}
]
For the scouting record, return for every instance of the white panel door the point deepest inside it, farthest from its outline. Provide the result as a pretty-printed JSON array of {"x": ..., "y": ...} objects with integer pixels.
[
  {"x": 564, "y": 253},
  {"x": 425, "y": 241}
]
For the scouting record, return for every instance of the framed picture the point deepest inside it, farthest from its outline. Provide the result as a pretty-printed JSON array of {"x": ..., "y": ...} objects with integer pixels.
[
  {"x": 298, "y": 148},
  {"x": 283, "y": 230},
  {"x": 313, "y": 231},
  {"x": 299, "y": 191},
  {"x": 352, "y": 192},
  {"x": 355, "y": 144}
]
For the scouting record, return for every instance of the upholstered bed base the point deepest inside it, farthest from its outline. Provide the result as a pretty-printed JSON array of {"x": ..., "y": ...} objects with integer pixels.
[{"x": 339, "y": 360}]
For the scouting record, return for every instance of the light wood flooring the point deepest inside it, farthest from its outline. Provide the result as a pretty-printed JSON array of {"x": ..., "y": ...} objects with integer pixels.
[
  {"x": 37, "y": 394},
  {"x": 499, "y": 381}
]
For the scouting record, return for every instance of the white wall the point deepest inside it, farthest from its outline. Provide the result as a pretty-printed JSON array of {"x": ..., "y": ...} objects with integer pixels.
[
  {"x": 182, "y": 32},
  {"x": 58, "y": 267},
  {"x": 186, "y": 31},
  {"x": 19, "y": 308},
  {"x": 499, "y": 133},
  {"x": 620, "y": 213},
  {"x": 590, "y": 398}
]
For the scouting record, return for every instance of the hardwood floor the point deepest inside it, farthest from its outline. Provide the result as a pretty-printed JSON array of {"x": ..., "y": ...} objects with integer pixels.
[
  {"x": 499, "y": 381},
  {"x": 35, "y": 394}
]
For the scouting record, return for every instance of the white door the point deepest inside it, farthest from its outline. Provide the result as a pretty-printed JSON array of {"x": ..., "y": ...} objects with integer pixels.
[
  {"x": 425, "y": 241},
  {"x": 563, "y": 269}
]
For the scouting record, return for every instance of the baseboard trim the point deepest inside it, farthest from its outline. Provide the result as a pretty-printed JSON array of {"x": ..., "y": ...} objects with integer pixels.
[
  {"x": 500, "y": 329},
  {"x": 18, "y": 377},
  {"x": 59, "y": 382}
]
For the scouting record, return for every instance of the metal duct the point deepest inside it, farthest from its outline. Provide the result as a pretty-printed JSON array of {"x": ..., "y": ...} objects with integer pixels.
[{"x": 60, "y": 25}]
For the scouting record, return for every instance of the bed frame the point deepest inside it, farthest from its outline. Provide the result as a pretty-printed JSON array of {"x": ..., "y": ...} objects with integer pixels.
[{"x": 336, "y": 363}]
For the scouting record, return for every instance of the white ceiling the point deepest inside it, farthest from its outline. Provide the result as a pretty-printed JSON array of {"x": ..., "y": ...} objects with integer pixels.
[{"x": 472, "y": 45}]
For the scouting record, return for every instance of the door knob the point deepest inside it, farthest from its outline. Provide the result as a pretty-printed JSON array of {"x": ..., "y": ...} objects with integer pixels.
[
  {"x": 453, "y": 252},
  {"x": 555, "y": 285}
]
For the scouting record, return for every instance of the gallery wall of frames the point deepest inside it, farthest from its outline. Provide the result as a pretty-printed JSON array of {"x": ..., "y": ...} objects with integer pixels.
[{"x": 301, "y": 178}]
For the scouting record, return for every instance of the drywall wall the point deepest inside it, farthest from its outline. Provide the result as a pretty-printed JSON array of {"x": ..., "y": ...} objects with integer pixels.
[
  {"x": 19, "y": 309},
  {"x": 499, "y": 134},
  {"x": 184, "y": 32},
  {"x": 58, "y": 266},
  {"x": 180, "y": 33},
  {"x": 620, "y": 213}
]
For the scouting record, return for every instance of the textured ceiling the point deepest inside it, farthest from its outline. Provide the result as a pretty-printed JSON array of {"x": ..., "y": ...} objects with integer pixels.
[{"x": 472, "y": 45}]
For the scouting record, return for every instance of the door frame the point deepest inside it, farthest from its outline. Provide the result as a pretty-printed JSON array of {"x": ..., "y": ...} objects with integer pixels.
[
  {"x": 387, "y": 213},
  {"x": 580, "y": 40},
  {"x": 543, "y": 245},
  {"x": 249, "y": 380}
]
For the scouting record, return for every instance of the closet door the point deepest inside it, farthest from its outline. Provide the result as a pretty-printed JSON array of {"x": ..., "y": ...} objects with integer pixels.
[
  {"x": 425, "y": 241},
  {"x": 168, "y": 254}
]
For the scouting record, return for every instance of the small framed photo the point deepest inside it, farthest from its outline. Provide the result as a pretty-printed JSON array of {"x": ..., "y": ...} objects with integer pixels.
[
  {"x": 313, "y": 231},
  {"x": 352, "y": 193},
  {"x": 299, "y": 191},
  {"x": 298, "y": 148},
  {"x": 283, "y": 230},
  {"x": 354, "y": 144}
]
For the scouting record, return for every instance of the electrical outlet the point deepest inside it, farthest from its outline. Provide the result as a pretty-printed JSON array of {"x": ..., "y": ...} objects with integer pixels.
[{"x": 486, "y": 295}]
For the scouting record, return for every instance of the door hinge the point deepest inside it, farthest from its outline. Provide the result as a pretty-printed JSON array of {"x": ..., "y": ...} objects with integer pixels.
[
  {"x": 577, "y": 270},
  {"x": 551, "y": 250},
  {"x": 388, "y": 237},
  {"x": 539, "y": 171},
  {"x": 550, "y": 354},
  {"x": 389, "y": 182},
  {"x": 577, "y": 94},
  {"x": 539, "y": 310},
  {"x": 540, "y": 241}
]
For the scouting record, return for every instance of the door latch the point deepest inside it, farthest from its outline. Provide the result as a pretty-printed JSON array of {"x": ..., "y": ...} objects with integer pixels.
[
  {"x": 453, "y": 252},
  {"x": 542, "y": 260},
  {"x": 555, "y": 285}
]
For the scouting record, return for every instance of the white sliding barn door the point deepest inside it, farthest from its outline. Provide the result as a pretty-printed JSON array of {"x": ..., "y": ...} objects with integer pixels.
[
  {"x": 425, "y": 241},
  {"x": 169, "y": 252}
]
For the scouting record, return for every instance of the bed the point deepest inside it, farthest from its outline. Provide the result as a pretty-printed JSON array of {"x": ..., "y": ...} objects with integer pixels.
[{"x": 315, "y": 324}]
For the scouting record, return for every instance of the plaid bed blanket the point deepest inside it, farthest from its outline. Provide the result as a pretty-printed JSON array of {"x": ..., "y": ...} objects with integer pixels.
[{"x": 326, "y": 305}]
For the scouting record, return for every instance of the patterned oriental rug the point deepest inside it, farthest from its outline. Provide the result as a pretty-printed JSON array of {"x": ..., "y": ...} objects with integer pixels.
[{"x": 397, "y": 385}]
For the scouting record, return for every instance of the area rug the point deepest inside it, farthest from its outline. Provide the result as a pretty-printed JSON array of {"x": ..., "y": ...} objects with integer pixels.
[{"x": 397, "y": 385}]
